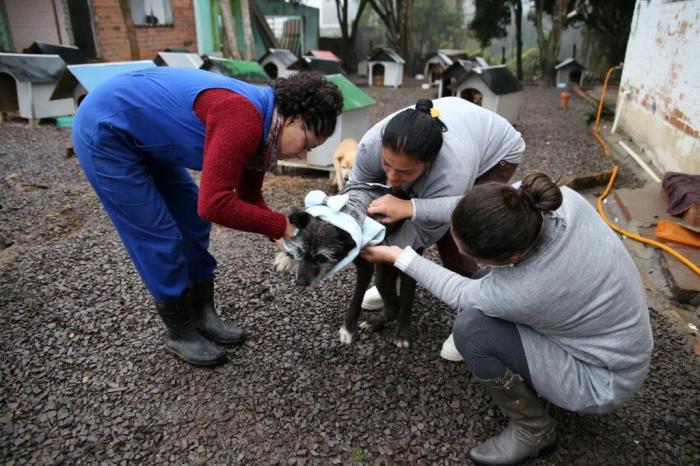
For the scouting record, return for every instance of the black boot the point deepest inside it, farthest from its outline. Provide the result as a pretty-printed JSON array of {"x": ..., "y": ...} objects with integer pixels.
[
  {"x": 181, "y": 337},
  {"x": 207, "y": 321},
  {"x": 530, "y": 429}
]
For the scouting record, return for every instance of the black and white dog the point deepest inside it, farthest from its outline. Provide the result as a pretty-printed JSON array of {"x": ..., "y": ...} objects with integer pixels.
[{"x": 320, "y": 247}]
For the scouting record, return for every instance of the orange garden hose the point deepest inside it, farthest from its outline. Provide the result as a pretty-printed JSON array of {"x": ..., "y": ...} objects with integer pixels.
[{"x": 606, "y": 151}]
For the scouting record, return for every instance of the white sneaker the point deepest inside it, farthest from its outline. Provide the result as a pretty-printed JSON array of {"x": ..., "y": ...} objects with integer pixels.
[
  {"x": 372, "y": 301},
  {"x": 449, "y": 350}
]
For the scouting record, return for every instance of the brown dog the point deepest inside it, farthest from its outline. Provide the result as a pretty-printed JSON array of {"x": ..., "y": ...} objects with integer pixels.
[{"x": 343, "y": 160}]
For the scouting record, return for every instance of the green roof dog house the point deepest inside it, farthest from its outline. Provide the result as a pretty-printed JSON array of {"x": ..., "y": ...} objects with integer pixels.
[{"x": 353, "y": 122}]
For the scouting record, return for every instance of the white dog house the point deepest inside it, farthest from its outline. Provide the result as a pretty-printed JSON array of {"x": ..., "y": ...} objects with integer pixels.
[
  {"x": 385, "y": 68},
  {"x": 178, "y": 60},
  {"x": 276, "y": 61},
  {"x": 26, "y": 84},
  {"x": 494, "y": 88},
  {"x": 77, "y": 80},
  {"x": 352, "y": 123},
  {"x": 569, "y": 72},
  {"x": 435, "y": 66}
]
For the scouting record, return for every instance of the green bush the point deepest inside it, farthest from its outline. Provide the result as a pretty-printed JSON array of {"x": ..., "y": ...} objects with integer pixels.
[{"x": 531, "y": 64}]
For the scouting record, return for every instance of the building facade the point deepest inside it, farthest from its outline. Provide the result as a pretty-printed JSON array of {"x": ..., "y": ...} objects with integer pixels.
[{"x": 659, "y": 101}]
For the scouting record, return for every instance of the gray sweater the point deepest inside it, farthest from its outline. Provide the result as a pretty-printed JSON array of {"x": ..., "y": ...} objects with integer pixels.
[
  {"x": 475, "y": 141},
  {"x": 577, "y": 300}
]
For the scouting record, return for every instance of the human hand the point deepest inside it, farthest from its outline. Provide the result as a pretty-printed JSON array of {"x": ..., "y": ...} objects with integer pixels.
[
  {"x": 290, "y": 230},
  {"x": 381, "y": 254},
  {"x": 279, "y": 244},
  {"x": 391, "y": 208}
]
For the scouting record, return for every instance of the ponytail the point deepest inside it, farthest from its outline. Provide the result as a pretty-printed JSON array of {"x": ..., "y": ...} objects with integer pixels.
[
  {"x": 495, "y": 220},
  {"x": 415, "y": 132}
]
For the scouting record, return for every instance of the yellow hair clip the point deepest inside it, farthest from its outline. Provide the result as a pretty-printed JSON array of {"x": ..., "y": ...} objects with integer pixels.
[{"x": 434, "y": 112}]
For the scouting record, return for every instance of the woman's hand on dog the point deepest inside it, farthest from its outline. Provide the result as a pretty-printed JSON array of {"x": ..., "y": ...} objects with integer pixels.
[
  {"x": 391, "y": 208},
  {"x": 381, "y": 254}
]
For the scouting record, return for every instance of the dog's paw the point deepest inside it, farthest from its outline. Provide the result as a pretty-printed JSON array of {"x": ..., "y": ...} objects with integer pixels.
[
  {"x": 402, "y": 343},
  {"x": 283, "y": 262},
  {"x": 346, "y": 336}
]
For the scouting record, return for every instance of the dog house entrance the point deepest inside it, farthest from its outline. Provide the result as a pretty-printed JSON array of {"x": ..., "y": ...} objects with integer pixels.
[
  {"x": 378, "y": 75},
  {"x": 473, "y": 96},
  {"x": 271, "y": 70}
]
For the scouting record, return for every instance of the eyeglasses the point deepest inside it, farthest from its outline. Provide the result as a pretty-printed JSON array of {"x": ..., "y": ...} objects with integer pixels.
[{"x": 307, "y": 147}]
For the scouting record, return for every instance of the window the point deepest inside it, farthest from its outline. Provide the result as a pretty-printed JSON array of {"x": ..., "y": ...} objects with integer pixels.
[{"x": 152, "y": 12}]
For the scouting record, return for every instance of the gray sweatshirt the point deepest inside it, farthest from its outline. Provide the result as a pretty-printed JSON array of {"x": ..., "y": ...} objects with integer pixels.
[
  {"x": 475, "y": 141},
  {"x": 577, "y": 300}
]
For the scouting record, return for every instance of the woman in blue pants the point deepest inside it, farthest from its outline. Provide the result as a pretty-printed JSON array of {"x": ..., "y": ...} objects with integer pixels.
[{"x": 137, "y": 134}]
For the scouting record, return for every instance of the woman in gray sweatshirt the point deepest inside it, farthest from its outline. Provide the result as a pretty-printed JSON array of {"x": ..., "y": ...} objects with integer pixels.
[
  {"x": 436, "y": 149},
  {"x": 561, "y": 310}
]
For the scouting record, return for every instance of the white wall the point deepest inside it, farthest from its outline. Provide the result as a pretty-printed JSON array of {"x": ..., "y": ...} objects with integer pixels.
[
  {"x": 329, "y": 25},
  {"x": 661, "y": 110}
]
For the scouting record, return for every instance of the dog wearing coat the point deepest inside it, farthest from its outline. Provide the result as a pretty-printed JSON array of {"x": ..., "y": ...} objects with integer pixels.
[{"x": 321, "y": 248}]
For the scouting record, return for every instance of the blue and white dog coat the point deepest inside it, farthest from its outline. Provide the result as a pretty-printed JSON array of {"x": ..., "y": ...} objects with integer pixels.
[{"x": 349, "y": 213}]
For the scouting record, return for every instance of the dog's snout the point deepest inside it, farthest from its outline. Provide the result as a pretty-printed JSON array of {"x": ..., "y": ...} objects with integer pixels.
[{"x": 303, "y": 281}]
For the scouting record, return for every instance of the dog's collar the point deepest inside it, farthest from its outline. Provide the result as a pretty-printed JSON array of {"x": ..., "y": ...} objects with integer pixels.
[{"x": 328, "y": 209}]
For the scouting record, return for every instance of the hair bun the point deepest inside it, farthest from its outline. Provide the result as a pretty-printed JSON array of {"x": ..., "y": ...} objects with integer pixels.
[
  {"x": 424, "y": 105},
  {"x": 541, "y": 192}
]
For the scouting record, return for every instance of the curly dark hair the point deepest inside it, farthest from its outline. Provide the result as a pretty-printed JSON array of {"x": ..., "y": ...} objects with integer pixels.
[{"x": 311, "y": 95}]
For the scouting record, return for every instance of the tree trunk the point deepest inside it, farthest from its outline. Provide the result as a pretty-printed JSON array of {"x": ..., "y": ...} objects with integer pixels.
[
  {"x": 396, "y": 16},
  {"x": 519, "y": 39},
  {"x": 130, "y": 30},
  {"x": 549, "y": 44},
  {"x": 247, "y": 31},
  {"x": 230, "y": 41}
]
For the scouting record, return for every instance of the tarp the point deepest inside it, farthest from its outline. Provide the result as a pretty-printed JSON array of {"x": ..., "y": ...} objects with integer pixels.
[
  {"x": 283, "y": 55},
  {"x": 248, "y": 71},
  {"x": 70, "y": 54},
  {"x": 326, "y": 67},
  {"x": 178, "y": 60},
  {"x": 32, "y": 68},
  {"x": 90, "y": 76}
]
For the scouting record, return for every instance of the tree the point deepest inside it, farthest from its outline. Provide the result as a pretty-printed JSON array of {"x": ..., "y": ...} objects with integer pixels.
[
  {"x": 348, "y": 31},
  {"x": 247, "y": 31},
  {"x": 230, "y": 41},
  {"x": 396, "y": 16},
  {"x": 491, "y": 19},
  {"x": 437, "y": 25},
  {"x": 130, "y": 30},
  {"x": 612, "y": 20},
  {"x": 550, "y": 41}
]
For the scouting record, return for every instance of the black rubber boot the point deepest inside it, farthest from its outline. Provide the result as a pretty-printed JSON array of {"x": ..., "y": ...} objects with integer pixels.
[
  {"x": 181, "y": 337},
  {"x": 206, "y": 319},
  {"x": 529, "y": 431}
]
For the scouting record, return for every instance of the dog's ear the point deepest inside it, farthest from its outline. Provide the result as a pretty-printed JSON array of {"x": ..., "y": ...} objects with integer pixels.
[{"x": 299, "y": 218}]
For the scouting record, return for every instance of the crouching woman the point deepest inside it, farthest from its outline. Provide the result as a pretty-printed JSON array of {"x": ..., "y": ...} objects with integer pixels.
[{"x": 559, "y": 312}]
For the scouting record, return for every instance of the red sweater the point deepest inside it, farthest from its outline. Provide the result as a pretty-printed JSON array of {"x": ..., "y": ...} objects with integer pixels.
[{"x": 229, "y": 193}]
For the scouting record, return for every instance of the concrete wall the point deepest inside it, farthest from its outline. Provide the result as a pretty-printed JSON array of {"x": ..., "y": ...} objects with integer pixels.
[
  {"x": 34, "y": 21},
  {"x": 659, "y": 93}
]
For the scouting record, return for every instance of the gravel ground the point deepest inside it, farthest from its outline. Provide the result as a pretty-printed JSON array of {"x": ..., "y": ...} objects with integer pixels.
[{"x": 83, "y": 377}]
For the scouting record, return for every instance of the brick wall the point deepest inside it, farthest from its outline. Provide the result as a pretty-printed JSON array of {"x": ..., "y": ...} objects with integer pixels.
[
  {"x": 660, "y": 103},
  {"x": 112, "y": 42}
]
